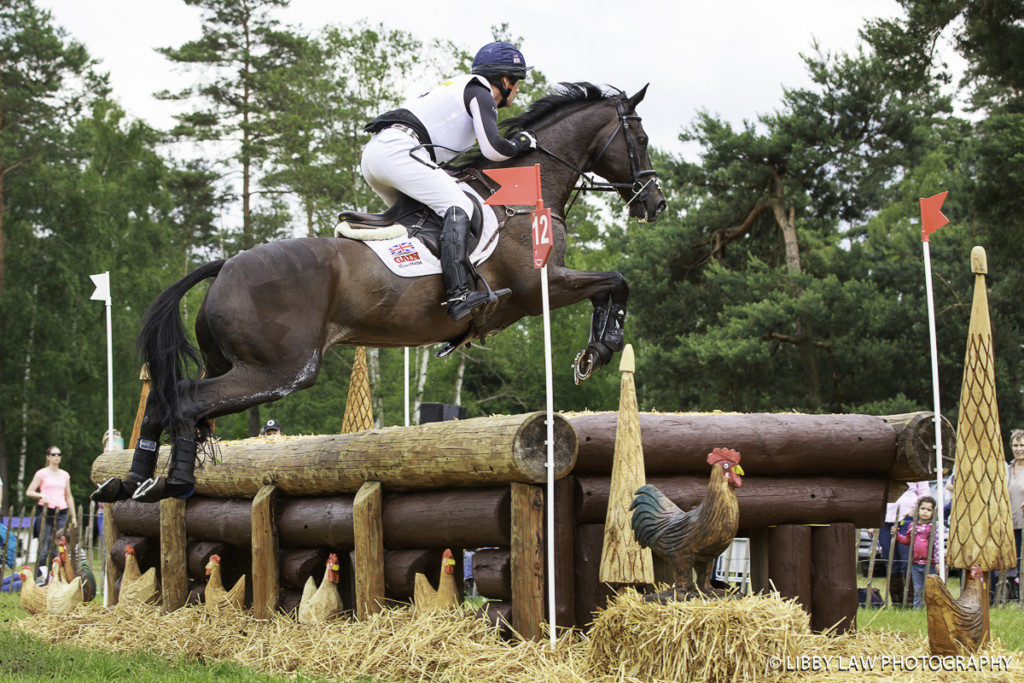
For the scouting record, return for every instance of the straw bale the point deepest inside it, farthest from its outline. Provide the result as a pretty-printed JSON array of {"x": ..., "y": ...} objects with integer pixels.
[{"x": 632, "y": 640}]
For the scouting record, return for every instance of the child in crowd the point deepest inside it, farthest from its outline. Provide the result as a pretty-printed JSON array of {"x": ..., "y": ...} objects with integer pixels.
[{"x": 920, "y": 555}]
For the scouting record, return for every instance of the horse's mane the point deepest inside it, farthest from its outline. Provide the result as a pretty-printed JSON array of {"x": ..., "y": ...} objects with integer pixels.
[{"x": 562, "y": 96}]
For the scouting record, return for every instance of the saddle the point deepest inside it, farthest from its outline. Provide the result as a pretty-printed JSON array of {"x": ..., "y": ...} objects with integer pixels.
[{"x": 410, "y": 217}]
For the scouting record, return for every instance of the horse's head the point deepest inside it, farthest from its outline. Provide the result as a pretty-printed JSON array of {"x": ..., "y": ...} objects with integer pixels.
[{"x": 621, "y": 158}]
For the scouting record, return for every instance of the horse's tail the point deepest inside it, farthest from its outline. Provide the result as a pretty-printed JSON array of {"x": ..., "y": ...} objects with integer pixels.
[{"x": 163, "y": 345}]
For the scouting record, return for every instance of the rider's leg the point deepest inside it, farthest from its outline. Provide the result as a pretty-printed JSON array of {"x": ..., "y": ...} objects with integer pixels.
[{"x": 455, "y": 266}]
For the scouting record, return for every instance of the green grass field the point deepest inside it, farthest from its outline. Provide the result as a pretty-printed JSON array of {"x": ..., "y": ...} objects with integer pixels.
[{"x": 24, "y": 658}]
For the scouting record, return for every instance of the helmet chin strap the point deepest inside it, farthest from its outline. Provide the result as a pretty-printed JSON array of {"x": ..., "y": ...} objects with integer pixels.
[{"x": 505, "y": 92}]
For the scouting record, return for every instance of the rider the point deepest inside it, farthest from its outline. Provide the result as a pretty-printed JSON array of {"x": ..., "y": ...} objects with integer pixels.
[{"x": 451, "y": 115}]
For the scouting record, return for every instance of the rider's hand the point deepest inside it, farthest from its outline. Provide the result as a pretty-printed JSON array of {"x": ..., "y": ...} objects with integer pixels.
[{"x": 525, "y": 140}]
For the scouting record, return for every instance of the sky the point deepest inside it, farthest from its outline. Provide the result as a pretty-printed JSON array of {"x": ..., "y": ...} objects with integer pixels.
[{"x": 731, "y": 57}]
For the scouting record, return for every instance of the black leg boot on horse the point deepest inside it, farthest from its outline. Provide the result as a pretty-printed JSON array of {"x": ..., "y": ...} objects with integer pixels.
[
  {"x": 607, "y": 324},
  {"x": 457, "y": 270},
  {"x": 143, "y": 467},
  {"x": 180, "y": 481}
]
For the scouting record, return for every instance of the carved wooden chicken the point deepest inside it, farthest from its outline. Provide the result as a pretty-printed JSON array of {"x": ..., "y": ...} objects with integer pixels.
[
  {"x": 323, "y": 603},
  {"x": 955, "y": 626},
  {"x": 692, "y": 539},
  {"x": 447, "y": 593},
  {"x": 33, "y": 597},
  {"x": 216, "y": 598}
]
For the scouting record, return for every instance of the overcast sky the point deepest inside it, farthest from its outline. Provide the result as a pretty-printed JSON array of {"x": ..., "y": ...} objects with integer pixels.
[{"x": 731, "y": 57}]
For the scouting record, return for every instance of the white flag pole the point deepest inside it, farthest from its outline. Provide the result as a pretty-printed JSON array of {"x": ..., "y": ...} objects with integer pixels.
[
  {"x": 102, "y": 293},
  {"x": 406, "y": 386},
  {"x": 549, "y": 390},
  {"x": 941, "y": 490}
]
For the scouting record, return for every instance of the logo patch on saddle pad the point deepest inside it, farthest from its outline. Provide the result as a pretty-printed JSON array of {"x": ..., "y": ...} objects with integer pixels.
[{"x": 409, "y": 257}]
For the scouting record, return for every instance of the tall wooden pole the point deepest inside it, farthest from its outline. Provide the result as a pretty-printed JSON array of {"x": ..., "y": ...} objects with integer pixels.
[{"x": 358, "y": 406}]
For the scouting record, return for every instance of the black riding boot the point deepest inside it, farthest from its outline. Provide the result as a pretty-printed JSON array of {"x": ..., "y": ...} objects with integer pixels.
[
  {"x": 180, "y": 481},
  {"x": 143, "y": 466},
  {"x": 455, "y": 266}
]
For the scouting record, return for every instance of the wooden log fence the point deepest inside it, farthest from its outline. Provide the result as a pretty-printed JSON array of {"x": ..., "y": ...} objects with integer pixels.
[{"x": 388, "y": 502}]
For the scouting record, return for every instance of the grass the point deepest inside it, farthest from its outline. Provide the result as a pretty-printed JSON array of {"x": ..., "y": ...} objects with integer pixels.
[
  {"x": 24, "y": 658},
  {"x": 1007, "y": 623}
]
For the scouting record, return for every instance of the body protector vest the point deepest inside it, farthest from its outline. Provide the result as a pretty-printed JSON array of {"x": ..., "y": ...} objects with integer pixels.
[{"x": 442, "y": 111}]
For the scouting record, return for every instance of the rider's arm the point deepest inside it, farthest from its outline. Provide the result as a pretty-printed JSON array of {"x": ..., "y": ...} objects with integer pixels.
[{"x": 481, "y": 107}]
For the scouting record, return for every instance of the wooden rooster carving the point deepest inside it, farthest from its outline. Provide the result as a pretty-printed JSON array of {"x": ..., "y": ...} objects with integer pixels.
[
  {"x": 137, "y": 587},
  {"x": 955, "y": 626},
  {"x": 446, "y": 595},
  {"x": 692, "y": 539},
  {"x": 62, "y": 596},
  {"x": 216, "y": 598},
  {"x": 320, "y": 604}
]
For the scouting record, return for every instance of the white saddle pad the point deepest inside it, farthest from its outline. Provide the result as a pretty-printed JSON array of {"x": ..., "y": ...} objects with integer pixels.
[{"x": 409, "y": 257}]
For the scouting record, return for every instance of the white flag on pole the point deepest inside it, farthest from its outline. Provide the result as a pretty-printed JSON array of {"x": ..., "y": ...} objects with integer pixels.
[{"x": 102, "y": 282}]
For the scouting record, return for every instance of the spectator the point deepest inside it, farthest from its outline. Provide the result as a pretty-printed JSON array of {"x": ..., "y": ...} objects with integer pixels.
[
  {"x": 115, "y": 444},
  {"x": 52, "y": 487},
  {"x": 271, "y": 428},
  {"x": 920, "y": 553},
  {"x": 1015, "y": 481},
  {"x": 894, "y": 512}
]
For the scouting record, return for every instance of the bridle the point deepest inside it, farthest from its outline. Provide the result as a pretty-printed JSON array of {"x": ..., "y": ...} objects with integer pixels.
[{"x": 637, "y": 183}]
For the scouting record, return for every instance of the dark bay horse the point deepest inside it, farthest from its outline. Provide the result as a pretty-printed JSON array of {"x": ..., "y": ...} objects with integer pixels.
[{"x": 272, "y": 311}]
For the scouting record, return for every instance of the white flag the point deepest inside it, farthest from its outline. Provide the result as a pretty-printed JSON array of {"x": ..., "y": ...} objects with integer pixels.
[{"x": 102, "y": 282}]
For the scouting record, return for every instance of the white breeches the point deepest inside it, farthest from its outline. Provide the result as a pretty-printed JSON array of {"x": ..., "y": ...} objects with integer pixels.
[{"x": 389, "y": 169}]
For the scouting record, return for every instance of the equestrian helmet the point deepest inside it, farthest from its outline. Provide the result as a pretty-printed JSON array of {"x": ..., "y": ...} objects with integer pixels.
[{"x": 500, "y": 59}]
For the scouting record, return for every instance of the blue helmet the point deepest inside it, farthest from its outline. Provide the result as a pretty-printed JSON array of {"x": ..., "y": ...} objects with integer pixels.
[{"x": 500, "y": 59}]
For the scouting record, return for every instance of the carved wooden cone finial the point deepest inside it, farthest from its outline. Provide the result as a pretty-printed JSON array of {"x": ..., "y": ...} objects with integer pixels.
[
  {"x": 623, "y": 561},
  {"x": 981, "y": 526},
  {"x": 358, "y": 410}
]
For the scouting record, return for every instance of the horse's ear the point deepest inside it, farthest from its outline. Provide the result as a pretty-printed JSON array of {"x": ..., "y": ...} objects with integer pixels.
[{"x": 637, "y": 98}]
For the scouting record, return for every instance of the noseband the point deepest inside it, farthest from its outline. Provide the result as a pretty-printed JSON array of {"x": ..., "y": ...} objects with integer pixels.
[{"x": 637, "y": 184}]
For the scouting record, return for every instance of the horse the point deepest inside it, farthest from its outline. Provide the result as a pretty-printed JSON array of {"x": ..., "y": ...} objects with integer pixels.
[{"x": 270, "y": 312}]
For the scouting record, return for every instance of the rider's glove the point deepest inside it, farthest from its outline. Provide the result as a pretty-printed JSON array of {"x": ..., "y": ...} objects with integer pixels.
[{"x": 524, "y": 141}]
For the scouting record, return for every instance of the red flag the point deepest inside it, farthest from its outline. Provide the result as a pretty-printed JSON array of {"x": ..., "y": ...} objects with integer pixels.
[
  {"x": 541, "y": 237},
  {"x": 519, "y": 186},
  {"x": 931, "y": 214}
]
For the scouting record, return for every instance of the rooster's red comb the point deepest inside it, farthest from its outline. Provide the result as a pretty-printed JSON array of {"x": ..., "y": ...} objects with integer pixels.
[{"x": 720, "y": 454}]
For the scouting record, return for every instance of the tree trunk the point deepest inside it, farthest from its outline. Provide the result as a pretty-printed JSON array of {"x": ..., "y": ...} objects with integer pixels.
[
  {"x": 459, "y": 374},
  {"x": 376, "y": 397},
  {"x": 27, "y": 377},
  {"x": 421, "y": 379},
  {"x": 787, "y": 223}
]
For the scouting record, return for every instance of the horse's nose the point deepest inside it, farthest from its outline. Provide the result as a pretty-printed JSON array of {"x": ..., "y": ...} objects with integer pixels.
[{"x": 662, "y": 205}]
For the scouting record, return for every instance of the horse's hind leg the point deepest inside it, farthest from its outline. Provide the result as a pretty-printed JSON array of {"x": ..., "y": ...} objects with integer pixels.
[
  {"x": 236, "y": 390},
  {"x": 143, "y": 462}
]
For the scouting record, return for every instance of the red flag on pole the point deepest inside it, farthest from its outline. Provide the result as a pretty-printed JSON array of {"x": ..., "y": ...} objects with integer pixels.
[
  {"x": 931, "y": 214},
  {"x": 519, "y": 186}
]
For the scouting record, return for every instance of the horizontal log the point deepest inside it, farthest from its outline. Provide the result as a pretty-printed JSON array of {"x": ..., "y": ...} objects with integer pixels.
[
  {"x": 483, "y": 451},
  {"x": 315, "y": 522},
  {"x": 492, "y": 573},
  {"x": 771, "y": 444},
  {"x": 195, "y": 594},
  {"x": 299, "y": 565},
  {"x": 915, "y": 437},
  {"x": 137, "y": 519},
  {"x": 499, "y": 614},
  {"x": 401, "y": 567},
  {"x": 458, "y": 518},
  {"x": 219, "y": 519},
  {"x": 198, "y": 556},
  {"x": 288, "y": 600},
  {"x": 763, "y": 501},
  {"x": 147, "y": 552}
]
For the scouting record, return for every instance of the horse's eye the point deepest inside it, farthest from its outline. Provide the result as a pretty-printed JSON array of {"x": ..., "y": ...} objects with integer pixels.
[{"x": 643, "y": 139}]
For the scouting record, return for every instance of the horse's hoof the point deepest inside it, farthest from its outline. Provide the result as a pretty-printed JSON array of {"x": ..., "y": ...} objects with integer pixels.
[
  {"x": 113, "y": 490},
  {"x": 157, "y": 488},
  {"x": 583, "y": 366}
]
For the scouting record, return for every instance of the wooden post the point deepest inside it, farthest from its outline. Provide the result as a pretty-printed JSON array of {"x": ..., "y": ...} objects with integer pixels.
[
  {"x": 834, "y": 577},
  {"x": 789, "y": 562},
  {"x": 137, "y": 427},
  {"x": 173, "y": 566},
  {"x": 265, "y": 552},
  {"x": 110, "y": 536},
  {"x": 527, "y": 560},
  {"x": 623, "y": 561},
  {"x": 369, "y": 549}
]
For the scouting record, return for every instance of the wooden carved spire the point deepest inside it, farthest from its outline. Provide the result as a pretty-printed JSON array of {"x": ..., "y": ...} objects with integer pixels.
[
  {"x": 358, "y": 410},
  {"x": 623, "y": 561},
  {"x": 981, "y": 531}
]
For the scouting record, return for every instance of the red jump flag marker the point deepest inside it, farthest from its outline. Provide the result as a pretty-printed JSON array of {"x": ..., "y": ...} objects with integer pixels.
[
  {"x": 519, "y": 186},
  {"x": 931, "y": 214}
]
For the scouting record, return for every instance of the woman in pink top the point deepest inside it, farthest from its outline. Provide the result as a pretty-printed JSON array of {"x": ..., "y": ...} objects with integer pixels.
[{"x": 52, "y": 486}]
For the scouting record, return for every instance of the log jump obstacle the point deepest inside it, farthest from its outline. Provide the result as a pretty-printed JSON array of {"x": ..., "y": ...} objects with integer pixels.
[{"x": 388, "y": 501}]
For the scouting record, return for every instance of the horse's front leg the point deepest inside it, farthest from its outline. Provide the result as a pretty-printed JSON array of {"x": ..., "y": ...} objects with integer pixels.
[{"x": 608, "y": 292}]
